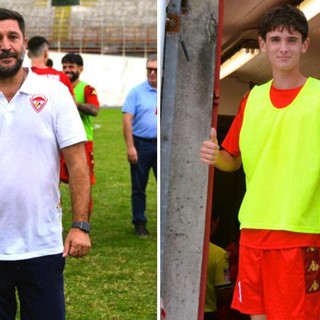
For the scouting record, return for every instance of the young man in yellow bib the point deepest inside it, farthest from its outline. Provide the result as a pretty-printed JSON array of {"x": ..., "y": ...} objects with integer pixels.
[{"x": 276, "y": 137}]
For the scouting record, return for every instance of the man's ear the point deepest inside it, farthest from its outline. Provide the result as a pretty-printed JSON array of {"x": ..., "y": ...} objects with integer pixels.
[
  {"x": 25, "y": 42},
  {"x": 46, "y": 54},
  {"x": 262, "y": 44},
  {"x": 305, "y": 45}
]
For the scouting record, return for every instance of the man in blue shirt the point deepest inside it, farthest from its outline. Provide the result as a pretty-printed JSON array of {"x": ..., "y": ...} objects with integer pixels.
[{"x": 140, "y": 133}]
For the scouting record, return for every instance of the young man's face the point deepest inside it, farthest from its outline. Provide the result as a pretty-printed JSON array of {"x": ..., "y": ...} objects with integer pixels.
[
  {"x": 72, "y": 70},
  {"x": 284, "y": 48}
]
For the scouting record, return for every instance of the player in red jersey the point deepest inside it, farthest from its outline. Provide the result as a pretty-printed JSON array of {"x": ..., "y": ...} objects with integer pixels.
[
  {"x": 88, "y": 106},
  {"x": 38, "y": 52}
]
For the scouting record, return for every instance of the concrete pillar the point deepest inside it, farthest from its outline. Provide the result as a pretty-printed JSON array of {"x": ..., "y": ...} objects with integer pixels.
[{"x": 186, "y": 113}]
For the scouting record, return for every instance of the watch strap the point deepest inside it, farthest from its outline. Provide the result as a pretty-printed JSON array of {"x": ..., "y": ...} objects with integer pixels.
[{"x": 82, "y": 225}]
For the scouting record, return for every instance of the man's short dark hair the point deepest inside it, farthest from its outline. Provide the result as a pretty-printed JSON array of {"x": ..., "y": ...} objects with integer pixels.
[
  {"x": 49, "y": 63},
  {"x": 37, "y": 41},
  {"x": 287, "y": 17},
  {"x": 72, "y": 58},
  {"x": 37, "y": 45},
  {"x": 6, "y": 14}
]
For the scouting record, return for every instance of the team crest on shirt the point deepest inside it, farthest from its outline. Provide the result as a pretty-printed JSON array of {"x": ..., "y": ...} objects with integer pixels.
[{"x": 38, "y": 102}]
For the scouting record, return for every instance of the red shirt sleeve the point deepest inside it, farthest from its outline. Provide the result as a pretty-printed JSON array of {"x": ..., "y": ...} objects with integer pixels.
[
  {"x": 90, "y": 95},
  {"x": 231, "y": 141}
]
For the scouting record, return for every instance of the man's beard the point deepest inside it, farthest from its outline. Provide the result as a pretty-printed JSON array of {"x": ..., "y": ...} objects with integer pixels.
[
  {"x": 74, "y": 76},
  {"x": 6, "y": 72}
]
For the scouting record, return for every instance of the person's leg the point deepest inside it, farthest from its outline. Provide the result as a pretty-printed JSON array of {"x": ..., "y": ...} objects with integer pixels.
[
  {"x": 258, "y": 317},
  {"x": 154, "y": 160},
  {"x": 248, "y": 295},
  {"x": 138, "y": 195},
  {"x": 8, "y": 304},
  {"x": 292, "y": 293},
  {"x": 139, "y": 181},
  {"x": 40, "y": 288}
]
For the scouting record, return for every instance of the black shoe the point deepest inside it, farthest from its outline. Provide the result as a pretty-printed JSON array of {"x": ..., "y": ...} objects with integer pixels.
[{"x": 140, "y": 228}]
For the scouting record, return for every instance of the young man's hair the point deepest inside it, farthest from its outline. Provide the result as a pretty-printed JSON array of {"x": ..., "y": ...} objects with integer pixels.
[
  {"x": 72, "y": 58},
  {"x": 6, "y": 14},
  {"x": 286, "y": 17},
  {"x": 37, "y": 46}
]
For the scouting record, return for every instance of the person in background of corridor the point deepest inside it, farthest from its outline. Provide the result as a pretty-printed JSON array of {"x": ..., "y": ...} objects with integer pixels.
[
  {"x": 218, "y": 287},
  {"x": 38, "y": 53},
  {"x": 140, "y": 134},
  {"x": 38, "y": 120},
  {"x": 275, "y": 136},
  {"x": 88, "y": 107}
]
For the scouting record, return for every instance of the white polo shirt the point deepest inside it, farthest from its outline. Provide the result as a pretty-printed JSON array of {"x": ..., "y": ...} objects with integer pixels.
[{"x": 40, "y": 120}]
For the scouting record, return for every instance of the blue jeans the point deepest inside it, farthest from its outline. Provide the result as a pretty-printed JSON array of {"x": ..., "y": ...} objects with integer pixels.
[
  {"x": 39, "y": 283},
  {"x": 147, "y": 159}
]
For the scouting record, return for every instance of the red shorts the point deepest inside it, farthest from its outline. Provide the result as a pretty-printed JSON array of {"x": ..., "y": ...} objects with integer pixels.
[
  {"x": 281, "y": 283},
  {"x": 64, "y": 174}
]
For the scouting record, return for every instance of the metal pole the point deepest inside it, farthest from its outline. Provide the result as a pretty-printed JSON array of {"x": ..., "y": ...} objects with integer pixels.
[
  {"x": 186, "y": 113},
  {"x": 170, "y": 62}
]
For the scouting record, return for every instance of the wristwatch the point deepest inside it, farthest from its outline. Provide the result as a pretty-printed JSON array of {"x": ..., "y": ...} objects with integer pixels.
[{"x": 82, "y": 225}]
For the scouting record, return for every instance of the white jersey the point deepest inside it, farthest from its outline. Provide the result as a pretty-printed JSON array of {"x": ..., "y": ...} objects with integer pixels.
[{"x": 40, "y": 120}]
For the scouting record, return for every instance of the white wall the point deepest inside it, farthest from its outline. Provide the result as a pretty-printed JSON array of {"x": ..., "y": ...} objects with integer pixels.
[{"x": 111, "y": 76}]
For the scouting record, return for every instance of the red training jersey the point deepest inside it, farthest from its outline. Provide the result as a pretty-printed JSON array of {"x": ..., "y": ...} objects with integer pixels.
[{"x": 54, "y": 74}]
